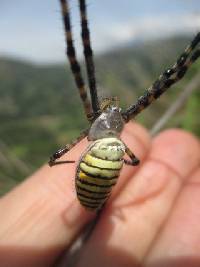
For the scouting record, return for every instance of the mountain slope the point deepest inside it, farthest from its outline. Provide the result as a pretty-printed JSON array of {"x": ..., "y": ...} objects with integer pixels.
[{"x": 40, "y": 108}]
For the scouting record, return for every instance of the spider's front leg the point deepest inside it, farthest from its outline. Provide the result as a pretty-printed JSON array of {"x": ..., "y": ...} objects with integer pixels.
[
  {"x": 58, "y": 154},
  {"x": 134, "y": 160},
  {"x": 166, "y": 79}
]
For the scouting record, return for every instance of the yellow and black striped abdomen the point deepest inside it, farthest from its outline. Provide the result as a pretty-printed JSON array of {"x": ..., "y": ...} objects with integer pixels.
[{"x": 98, "y": 171}]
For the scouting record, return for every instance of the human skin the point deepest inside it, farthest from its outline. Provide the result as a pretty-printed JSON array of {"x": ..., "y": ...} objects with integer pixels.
[{"x": 151, "y": 219}]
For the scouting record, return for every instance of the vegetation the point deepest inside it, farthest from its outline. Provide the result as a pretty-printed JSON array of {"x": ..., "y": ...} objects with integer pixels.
[{"x": 39, "y": 104}]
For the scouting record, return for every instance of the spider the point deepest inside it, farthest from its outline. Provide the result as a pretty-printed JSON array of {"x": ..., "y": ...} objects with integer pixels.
[{"x": 99, "y": 166}]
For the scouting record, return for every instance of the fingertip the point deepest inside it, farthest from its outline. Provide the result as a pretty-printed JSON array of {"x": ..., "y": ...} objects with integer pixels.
[{"x": 178, "y": 149}]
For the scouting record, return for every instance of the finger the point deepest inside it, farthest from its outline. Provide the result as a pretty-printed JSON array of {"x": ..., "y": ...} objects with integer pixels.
[
  {"x": 43, "y": 213},
  {"x": 179, "y": 242},
  {"x": 140, "y": 145},
  {"x": 127, "y": 229}
]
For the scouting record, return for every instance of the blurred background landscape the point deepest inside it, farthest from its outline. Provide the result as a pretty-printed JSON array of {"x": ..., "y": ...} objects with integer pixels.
[{"x": 40, "y": 109}]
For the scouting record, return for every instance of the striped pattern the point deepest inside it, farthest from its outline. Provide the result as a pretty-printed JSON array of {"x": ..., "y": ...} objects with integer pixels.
[
  {"x": 97, "y": 175},
  {"x": 85, "y": 34},
  {"x": 75, "y": 67},
  {"x": 166, "y": 79}
]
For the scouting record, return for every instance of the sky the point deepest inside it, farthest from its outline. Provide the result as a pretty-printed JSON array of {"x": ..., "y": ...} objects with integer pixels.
[{"x": 33, "y": 30}]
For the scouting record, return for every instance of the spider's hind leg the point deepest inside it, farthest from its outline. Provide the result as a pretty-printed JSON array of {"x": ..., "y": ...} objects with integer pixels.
[
  {"x": 134, "y": 160},
  {"x": 60, "y": 152}
]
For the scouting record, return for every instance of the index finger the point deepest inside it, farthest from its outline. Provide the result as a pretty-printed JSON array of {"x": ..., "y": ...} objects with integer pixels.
[{"x": 42, "y": 216}]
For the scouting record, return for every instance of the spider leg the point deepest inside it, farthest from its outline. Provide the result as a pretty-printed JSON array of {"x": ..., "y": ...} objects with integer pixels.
[
  {"x": 168, "y": 78},
  {"x": 85, "y": 34},
  {"x": 60, "y": 152},
  {"x": 134, "y": 160},
  {"x": 75, "y": 67}
]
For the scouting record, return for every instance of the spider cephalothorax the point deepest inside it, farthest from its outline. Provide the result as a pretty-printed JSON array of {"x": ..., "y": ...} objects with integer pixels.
[
  {"x": 109, "y": 123},
  {"x": 99, "y": 166}
]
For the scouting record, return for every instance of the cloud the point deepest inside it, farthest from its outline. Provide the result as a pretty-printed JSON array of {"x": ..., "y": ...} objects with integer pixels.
[
  {"x": 146, "y": 28},
  {"x": 44, "y": 46}
]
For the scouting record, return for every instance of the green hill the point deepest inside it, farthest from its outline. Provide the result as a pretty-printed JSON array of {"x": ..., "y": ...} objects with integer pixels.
[{"x": 39, "y": 104}]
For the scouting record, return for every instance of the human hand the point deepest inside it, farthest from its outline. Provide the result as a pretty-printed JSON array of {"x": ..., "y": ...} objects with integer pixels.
[{"x": 151, "y": 219}]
